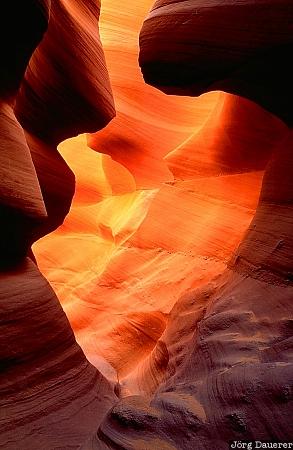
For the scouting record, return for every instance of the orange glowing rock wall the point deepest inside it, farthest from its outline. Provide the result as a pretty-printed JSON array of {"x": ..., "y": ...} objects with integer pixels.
[
  {"x": 115, "y": 189},
  {"x": 152, "y": 207},
  {"x": 174, "y": 264}
]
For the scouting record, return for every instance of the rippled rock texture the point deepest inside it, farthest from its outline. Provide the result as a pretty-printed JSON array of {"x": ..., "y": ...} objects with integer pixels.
[
  {"x": 184, "y": 307},
  {"x": 227, "y": 347},
  {"x": 51, "y": 396}
]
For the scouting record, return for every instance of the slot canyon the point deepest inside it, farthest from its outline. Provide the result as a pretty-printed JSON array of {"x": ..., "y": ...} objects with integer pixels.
[{"x": 146, "y": 213}]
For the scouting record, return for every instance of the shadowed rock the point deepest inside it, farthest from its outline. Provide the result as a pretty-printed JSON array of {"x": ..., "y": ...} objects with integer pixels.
[{"x": 51, "y": 396}]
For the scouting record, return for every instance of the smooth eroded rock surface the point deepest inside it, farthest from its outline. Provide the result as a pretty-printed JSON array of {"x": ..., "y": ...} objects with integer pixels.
[
  {"x": 51, "y": 396},
  {"x": 173, "y": 264}
]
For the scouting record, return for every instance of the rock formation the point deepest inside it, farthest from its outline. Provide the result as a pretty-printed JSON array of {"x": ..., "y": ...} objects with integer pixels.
[
  {"x": 166, "y": 286},
  {"x": 222, "y": 369},
  {"x": 51, "y": 396}
]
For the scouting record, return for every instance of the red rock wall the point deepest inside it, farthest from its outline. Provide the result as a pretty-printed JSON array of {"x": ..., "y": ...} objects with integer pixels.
[
  {"x": 222, "y": 369},
  {"x": 51, "y": 396},
  {"x": 166, "y": 286}
]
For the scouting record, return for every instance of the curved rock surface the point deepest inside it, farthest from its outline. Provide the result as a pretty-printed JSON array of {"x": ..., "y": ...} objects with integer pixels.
[
  {"x": 250, "y": 41},
  {"x": 183, "y": 307},
  {"x": 21, "y": 202},
  {"x": 75, "y": 88},
  {"x": 120, "y": 253},
  {"x": 51, "y": 396},
  {"x": 143, "y": 113},
  {"x": 227, "y": 370},
  {"x": 48, "y": 388},
  {"x": 222, "y": 370}
]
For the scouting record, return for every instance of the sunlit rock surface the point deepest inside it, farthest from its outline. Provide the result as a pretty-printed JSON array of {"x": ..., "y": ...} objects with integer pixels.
[
  {"x": 143, "y": 229},
  {"x": 175, "y": 278},
  {"x": 222, "y": 369}
]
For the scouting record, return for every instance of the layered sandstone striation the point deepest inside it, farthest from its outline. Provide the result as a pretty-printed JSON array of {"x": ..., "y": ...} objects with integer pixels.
[
  {"x": 174, "y": 264},
  {"x": 51, "y": 396},
  {"x": 249, "y": 40},
  {"x": 222, "y": 369},
  {"x": 120, "y": 253}
]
